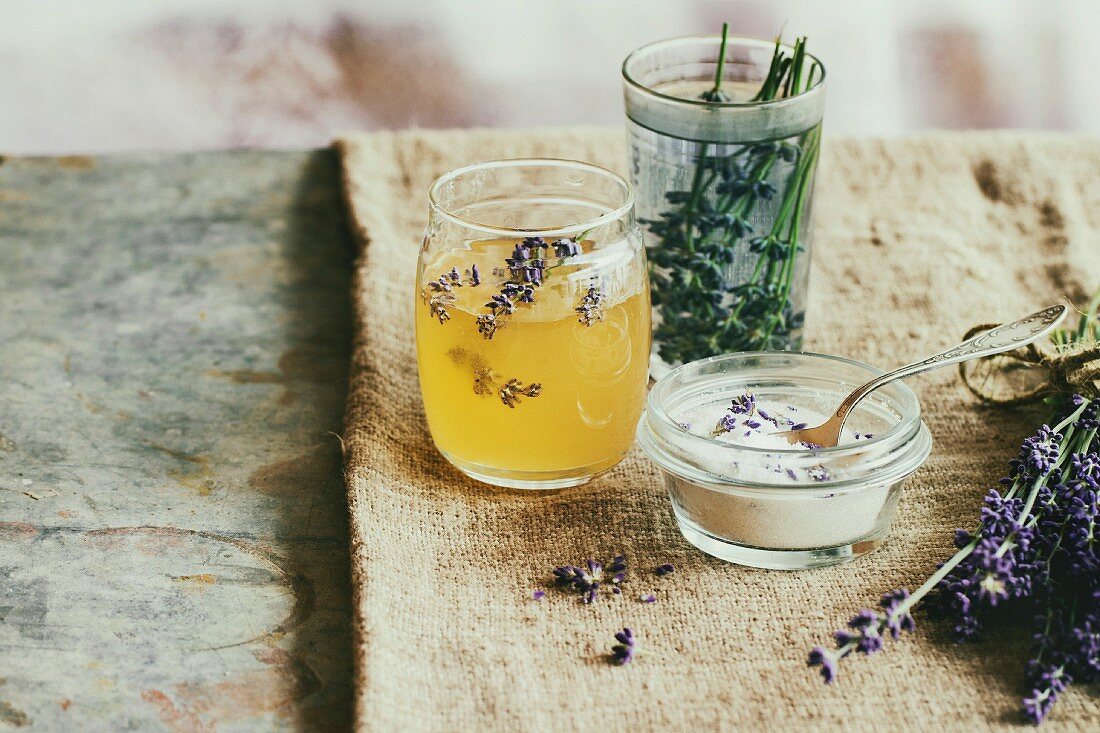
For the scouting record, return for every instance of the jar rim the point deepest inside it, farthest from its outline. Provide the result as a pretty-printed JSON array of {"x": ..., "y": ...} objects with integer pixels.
[
  {"x": 906, "y": 444},
  {"x": 814, "y": 90},
  {"x": 560, "y": 231}
]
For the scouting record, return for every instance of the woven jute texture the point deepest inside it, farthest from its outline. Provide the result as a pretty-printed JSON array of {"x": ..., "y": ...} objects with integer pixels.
[{"x": 915, "y": 240}]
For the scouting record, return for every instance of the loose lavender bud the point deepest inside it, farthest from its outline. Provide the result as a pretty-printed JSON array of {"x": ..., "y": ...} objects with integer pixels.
[
  {"x": 538, "y": 595},
  {"x": 666, "y": 569},
  {"x": 743, "y": 404},
  {"x": 623, "y": 652},
  {"x": 648, "y": 598}
]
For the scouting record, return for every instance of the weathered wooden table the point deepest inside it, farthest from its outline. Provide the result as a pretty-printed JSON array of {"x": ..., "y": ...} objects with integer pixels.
[{"x": 174, "y": 334}]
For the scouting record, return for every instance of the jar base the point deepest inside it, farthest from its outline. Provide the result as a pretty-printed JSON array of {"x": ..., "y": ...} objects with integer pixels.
[
  {"x": 531, "y": 480},
  {"x": 778, "y": 559}
]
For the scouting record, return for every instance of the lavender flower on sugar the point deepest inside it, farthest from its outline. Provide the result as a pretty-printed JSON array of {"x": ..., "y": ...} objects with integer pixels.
[{"x": 738, "y": 413}]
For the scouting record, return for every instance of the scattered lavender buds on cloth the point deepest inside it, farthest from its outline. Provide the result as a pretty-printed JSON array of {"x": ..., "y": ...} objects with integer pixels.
[
  {"x": 666, "y": 569},
  {"x": 589, "y": 578}
]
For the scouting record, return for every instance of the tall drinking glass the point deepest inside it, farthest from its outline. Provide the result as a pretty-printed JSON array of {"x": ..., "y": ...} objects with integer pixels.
[
  {"x": 725, "y": 188},
  {"x": 532, "y": 321}
]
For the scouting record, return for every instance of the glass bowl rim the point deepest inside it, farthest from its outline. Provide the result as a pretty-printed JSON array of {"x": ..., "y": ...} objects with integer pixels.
[
  {"x": 817, "y": 88},
  {"x": 564, "y": 163},
  {"x": 906, "y": 448},
  {"x": 906, "y": 427}
]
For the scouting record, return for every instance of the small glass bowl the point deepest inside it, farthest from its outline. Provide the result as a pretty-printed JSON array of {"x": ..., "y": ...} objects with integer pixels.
[{"x": 824, "y": 506}]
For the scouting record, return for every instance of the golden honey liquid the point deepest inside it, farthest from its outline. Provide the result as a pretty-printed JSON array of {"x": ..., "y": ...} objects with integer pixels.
[{"x": 593, "y": 378}]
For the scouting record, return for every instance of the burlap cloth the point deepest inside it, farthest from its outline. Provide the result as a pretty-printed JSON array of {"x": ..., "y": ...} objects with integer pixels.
[{"x": 915, "y": 240}]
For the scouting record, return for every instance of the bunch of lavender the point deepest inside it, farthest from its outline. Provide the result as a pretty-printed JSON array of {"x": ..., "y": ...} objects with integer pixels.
[
  {"x": 701, "y": 312},
  {"x": 1036, "y": 549}
]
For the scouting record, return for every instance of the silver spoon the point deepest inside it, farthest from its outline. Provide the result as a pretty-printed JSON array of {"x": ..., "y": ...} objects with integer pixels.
[{"x": 995, "y": 341}]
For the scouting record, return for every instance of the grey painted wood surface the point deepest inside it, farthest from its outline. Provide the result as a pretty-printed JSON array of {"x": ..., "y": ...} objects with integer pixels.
[{"x": 174, "y": 335}]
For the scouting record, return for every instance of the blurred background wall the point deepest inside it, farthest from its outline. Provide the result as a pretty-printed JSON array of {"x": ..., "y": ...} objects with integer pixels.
[{"x": 115, "y": 75}]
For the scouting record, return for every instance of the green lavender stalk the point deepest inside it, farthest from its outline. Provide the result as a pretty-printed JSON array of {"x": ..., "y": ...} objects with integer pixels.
[
  {"x": 1036, "y": 549},
  {"x": 701, "y": 313}
]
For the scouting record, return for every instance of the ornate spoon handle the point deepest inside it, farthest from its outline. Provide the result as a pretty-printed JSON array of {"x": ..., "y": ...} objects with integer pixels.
[{"x": 994, "y": 341}]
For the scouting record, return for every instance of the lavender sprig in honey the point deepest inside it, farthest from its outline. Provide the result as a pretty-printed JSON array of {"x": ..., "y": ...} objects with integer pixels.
[
  {"x": 440, "y": 293},
  {"x": 527, "y": 269},
  {"x": 591, "y": 307},
  {"x": 487, "y": 382}
]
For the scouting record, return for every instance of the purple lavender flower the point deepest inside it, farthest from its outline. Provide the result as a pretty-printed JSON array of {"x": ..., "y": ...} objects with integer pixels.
[
  {"x": 588, "y": 579},
  {"x": 526, "y": 263},
  {"x": 1047, "y": 682},
  {"x": 623, "y": 652},
  {"x": 1089, "y": 419},
  {"x": 591, "y": 307},
  {"x": 1086, "y": 468},
  {"x": 538, "y": 595},
  {"x": 663, "y": 570},
  {"x": 739, "y": 410},
  {"x": 743, "y": 404},
  {"x": 526, "y": 269},
  {"x": 866, "y": 632},
  {"x": 647, "y": 598},
  {"x": 827, "y": 660},
  {"x": 1038, "y": 454},
  {"x": 726, "y": 424},
  {"x": 897, "y": 619},
  {"x": 440, "y": 294},
  {"x": 1036, "y": 549},
  {"x": 566, "y": 248}
]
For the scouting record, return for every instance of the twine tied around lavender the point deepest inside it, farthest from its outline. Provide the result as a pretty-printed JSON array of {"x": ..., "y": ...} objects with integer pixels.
[{"x": 1070, "y": 364}]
